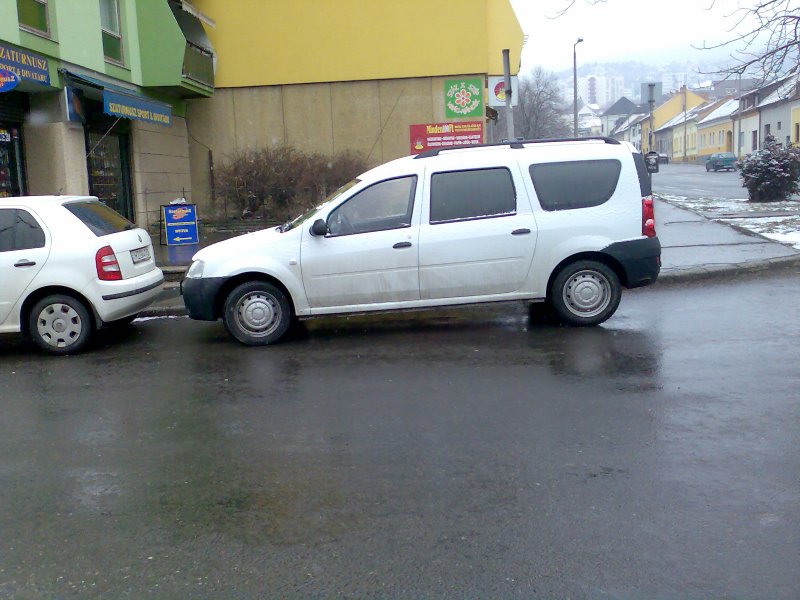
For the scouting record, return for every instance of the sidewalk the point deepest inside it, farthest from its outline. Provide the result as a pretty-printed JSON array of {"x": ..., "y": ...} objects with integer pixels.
[{"x": 692, "y": 247}]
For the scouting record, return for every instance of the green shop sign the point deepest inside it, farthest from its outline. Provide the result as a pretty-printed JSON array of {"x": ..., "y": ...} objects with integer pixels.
[{"x": 463, "y": 98}]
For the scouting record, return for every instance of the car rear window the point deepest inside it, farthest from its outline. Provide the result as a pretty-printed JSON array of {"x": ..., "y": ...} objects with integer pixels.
[
  {"x": 99, "y": 218},
  {"x": 575, "y": 184}
]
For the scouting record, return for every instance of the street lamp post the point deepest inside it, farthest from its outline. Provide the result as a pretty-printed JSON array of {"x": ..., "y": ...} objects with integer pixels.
[{"x": 575, "y": 87}]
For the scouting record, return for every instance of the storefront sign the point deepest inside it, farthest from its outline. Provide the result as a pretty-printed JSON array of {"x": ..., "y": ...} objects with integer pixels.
[
  {"x": 8, "y": 80},
  {"x": 27, "y": 66},
  {"x": 431, "y": 136},
  {"x": 180, "y": 222},
  {"x": 141, "y": 109},
  {"x": 497, "y": 91},
  {"x": 463, "y": 98}
]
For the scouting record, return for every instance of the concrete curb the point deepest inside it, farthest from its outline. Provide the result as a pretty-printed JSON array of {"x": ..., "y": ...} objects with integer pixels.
[{"x": 706, "y": 272}]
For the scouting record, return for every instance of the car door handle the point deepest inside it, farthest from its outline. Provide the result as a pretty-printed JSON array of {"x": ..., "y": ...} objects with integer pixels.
[
  {"x": 24, "y": 263},
  {"x": 520, "y": 231},
  {"x": 402, "y": 245}
]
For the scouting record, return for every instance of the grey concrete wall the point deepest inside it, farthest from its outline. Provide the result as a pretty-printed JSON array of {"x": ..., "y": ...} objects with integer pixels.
[{"x": 160, "y": 167}]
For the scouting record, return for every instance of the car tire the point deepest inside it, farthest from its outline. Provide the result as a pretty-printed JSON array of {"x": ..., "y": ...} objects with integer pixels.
[
  {"x": 708, "y": 168},
  {"x": 585, "y": 293},
  {"x": 257, "y": 313},
  {"x": 60, "y": 324}
]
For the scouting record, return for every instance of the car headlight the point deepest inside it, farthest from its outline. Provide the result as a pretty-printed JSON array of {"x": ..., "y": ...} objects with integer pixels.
[{"x": 196, "y": 270}]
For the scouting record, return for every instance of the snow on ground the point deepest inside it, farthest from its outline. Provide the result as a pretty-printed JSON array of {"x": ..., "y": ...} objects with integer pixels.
[{"x": 783, "y": 227}]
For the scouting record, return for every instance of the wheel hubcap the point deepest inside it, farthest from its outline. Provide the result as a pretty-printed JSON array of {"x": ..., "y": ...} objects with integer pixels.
[
  {"x": 59, "y": 325},
  {"x": 258, "y": 313},
  {"x": 587, "y": 293}
]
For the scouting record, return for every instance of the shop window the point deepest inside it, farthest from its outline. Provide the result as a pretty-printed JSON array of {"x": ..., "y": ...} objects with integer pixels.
[
  {"x": 32, "y": 15},
  {"x": 109, "y": 23}
]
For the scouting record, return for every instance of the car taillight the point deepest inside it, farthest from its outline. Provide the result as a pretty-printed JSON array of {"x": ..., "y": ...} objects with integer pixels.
[
  {"x": 107, "y": 266},
  {"x": 648, "y": 217}
]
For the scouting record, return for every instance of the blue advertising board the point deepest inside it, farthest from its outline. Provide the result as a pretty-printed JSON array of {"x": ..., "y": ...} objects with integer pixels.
[
  {"x": 8, "y": 80},
  {"x": 141, "y": 109},
  {"x": 27, "y": 65},
  {"x": 180, "y": 223}
]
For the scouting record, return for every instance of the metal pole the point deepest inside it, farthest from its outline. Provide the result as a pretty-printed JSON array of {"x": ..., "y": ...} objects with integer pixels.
[
  {"x": 651, "y": 102},
  {"x": 575, "y": 87},
  {"x": 685, "y": 139},
  {"x": 507, "y": 84}
]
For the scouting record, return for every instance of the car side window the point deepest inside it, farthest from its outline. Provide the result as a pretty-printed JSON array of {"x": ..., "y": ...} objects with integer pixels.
[
  {"x": 19, "y": 230},
  {"x": 575, "y": 184},
  {"x": 473, "y": 194},
  {"x": 382, "y": 206}
]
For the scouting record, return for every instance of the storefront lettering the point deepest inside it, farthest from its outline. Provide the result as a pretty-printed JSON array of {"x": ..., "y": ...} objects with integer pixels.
[
  {"x": 26, "y": 66},
  {"x": 137, "y": 113}
]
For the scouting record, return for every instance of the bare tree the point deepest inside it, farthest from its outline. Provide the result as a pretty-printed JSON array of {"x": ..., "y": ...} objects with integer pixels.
[
  {"x": 764, "y": 36},
  {"x": 541, "y": 112}
]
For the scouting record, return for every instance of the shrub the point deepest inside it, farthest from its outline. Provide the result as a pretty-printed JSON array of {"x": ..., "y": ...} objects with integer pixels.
[
  {"x": 771, "y": 174},
  {"x": 282, "y": 182}
]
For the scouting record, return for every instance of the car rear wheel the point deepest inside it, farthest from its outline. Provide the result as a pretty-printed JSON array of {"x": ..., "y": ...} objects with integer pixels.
[
  {"x": 585, "y": 293},
  {"x": 708, "y": 168},
  {"x": 257, "y": 313},
  {"x": 60, "y": 324}
]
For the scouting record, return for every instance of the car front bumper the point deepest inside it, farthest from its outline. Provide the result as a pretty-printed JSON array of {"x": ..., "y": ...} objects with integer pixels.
[{"x": 200, "y": 297}]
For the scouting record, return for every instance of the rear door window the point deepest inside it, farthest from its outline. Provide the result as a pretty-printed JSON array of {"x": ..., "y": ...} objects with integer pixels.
[
  {"x": 575, "y": 184},
  {"x": 19, "y": 230},
  {"x": 474, "y": 194},
  {"x": 99, "y": 218}
]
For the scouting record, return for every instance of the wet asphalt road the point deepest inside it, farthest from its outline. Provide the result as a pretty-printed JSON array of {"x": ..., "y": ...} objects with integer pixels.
[
  {"x": 460, "y": 455},
  {"x": 693, "y": 181}
]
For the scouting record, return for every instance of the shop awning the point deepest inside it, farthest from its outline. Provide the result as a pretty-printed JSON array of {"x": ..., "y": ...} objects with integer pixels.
[{"x": 125, "y": 103}]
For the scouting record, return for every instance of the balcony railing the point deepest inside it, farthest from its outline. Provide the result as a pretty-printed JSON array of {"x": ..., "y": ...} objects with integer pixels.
[{"x": 198, "y": 64}]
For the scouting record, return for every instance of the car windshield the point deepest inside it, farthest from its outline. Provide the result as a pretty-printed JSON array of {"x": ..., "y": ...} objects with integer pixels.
[{"x": 305, "y": 216}]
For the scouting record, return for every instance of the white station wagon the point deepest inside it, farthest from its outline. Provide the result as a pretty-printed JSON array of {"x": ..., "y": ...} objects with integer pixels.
[
  {"x": 68, "y": 265},
  {"x": 567, "y": 222}
]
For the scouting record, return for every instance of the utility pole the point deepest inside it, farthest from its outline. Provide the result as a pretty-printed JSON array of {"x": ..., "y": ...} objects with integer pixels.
[
  {"x": 685, "y": 102},
  {"x": 651, "y": 102},
  {"x": 507, "y": 84},
  {"x": 575, "y": 87}
]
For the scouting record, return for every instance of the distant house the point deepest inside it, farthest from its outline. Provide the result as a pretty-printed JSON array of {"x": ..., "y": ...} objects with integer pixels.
[
  {"x": 668, "y": 110},
  {"x": 621, "y": 109},
  {"x": 682, "y": 134},
  {"x": 715, "y": 130},
  {"x": 760, "y": 112},
  {"x": 733, "y": 88}
]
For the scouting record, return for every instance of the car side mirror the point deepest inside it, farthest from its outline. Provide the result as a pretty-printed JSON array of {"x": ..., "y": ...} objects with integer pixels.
[{"x": 319, "y": 228}]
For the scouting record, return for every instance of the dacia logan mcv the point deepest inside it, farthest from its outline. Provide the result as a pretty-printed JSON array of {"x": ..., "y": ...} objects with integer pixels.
[{"x": 567, "y": 222}]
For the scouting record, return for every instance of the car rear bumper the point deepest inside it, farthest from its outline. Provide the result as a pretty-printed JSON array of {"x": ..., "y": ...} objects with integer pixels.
[
  {"x": 640, "y": 260},
  {"x": 120, "y": 299},
  {"x": 200, "y": 296}
]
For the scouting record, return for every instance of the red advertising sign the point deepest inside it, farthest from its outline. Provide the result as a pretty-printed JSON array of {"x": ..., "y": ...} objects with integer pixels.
[{"x": 431, "y": 136}]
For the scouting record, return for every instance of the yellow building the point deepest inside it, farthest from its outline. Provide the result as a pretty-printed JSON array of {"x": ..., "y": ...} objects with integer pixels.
[
  {"x": 715, "y": 131},
  {"x": 334, "y": 75},
  {"x": 666, "y": 111}
]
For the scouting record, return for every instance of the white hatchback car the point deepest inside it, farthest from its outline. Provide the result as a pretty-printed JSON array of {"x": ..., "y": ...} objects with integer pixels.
[
  {"x": 567, "y": 222},
  {"x": 68, "y": 265}
]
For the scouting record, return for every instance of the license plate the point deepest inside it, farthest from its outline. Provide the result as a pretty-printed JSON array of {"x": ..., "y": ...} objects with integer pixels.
[{"x": 140, "y": 255}]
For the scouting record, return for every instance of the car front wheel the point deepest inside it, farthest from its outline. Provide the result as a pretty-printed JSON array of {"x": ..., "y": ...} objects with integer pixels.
[
  {"x": 585, "y": 293},
  {"x": 257, "y": 313},
  {"x": 60, "y": 324}
]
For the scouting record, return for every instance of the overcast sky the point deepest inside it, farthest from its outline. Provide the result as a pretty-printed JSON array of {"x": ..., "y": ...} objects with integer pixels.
[{"x": 616, "y": 30}]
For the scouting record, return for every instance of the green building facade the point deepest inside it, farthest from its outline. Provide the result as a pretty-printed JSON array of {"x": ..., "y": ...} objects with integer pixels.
[{"x": 93, "y": 99}]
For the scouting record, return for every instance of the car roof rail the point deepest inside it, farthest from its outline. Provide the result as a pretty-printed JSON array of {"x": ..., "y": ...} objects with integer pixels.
[{"x": 516, "y": 144}]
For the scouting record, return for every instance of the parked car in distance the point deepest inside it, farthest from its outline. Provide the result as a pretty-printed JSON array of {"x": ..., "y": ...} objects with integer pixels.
[
  {"x": 721, "y": 160},
  {"x": 69, "y": 265},
  {"x": 663, "y": 158},
  {"x": 568, "y": 222}
]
